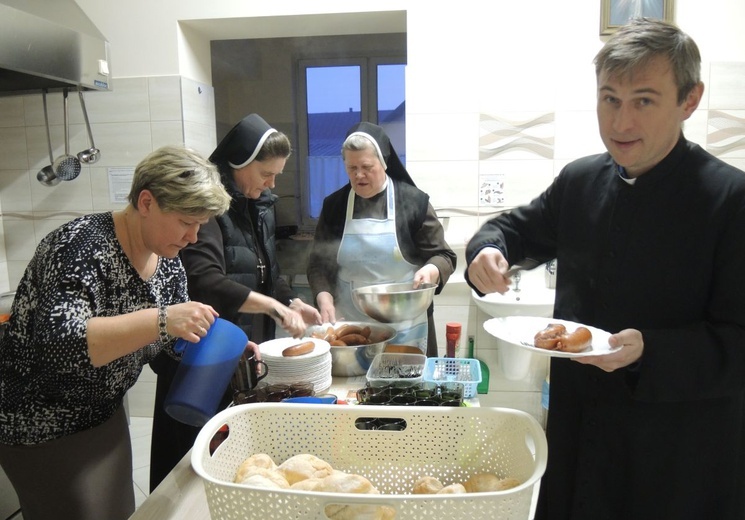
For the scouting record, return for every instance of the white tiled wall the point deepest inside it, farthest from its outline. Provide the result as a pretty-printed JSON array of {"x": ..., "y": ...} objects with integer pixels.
[
  {"x": 140, "y": 115},
  {"x": 510, "y": 60}
]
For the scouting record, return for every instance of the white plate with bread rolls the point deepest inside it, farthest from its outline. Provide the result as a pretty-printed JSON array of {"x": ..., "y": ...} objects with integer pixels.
[{"x": 550, "y": 336}]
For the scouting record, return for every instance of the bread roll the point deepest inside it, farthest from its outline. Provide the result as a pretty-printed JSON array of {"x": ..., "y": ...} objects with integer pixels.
[
  {"x": 487, "y": 482},
  {"x": 360, "y": 512},
  {"x": 258, "y": 460},
  {"x": 482, "y": 482},
  {"x": 427, "y": 486},
  {"x": 262, "y": 477},
  {"x": 303, "y": 466},
  {"x": 508, "y": 483},
  {"x": 340, "y": 482},
  {"x": 309, "y": 484},
  {"x": 452, "y": 489}
]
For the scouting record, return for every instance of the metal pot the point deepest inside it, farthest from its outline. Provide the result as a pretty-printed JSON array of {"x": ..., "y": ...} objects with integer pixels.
[
  {"x": 394, "y": 302},
  {"x": 355, "y": 360}
]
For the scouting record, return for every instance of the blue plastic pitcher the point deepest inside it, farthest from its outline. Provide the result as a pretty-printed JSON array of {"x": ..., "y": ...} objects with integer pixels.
[{"x": 204, "y": 373}]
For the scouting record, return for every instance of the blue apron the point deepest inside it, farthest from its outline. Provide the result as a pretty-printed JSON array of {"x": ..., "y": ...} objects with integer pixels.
[{"x": 368, "y": 255}]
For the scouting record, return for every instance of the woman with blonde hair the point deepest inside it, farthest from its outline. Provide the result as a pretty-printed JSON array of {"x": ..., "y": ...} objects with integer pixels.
[{"x": 102, "y": 295}]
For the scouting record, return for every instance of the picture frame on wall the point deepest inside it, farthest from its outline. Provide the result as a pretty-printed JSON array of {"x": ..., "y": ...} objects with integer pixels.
[{"x": 615, "y": 13}]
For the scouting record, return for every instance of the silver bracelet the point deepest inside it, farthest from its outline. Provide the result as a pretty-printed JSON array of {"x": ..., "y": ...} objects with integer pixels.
[{"x": 162, "y": 323}]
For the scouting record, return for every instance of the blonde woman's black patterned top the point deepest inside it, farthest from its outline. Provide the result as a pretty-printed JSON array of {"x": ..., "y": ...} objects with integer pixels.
[{"x": 48, "y": 386}]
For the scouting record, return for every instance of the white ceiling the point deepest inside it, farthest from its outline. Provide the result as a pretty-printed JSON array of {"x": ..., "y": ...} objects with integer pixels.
[{"x": 300, "y": 25}]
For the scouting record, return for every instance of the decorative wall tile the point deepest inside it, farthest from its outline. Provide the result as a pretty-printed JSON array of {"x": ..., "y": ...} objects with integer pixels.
[
  {"x": 491, "y": 190},
  {"x": 499, "y": 136},
  {"x": 726, "y": 135}
]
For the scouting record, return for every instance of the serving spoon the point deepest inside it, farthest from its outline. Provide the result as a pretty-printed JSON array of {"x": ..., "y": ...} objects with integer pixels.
[
  {"x": 66, "y": 167},
  {"x": 46, "y": 175},
  {"x": 92, "y": 154}
]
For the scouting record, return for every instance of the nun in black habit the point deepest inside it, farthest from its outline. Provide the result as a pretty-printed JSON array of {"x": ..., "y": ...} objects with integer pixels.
[
  {"x": 233, "y": 267},
  {"x": 378, "y": 228}
]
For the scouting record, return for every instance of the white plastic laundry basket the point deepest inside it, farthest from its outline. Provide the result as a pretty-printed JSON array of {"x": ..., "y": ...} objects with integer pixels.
[{"x": 451, "y": 444}]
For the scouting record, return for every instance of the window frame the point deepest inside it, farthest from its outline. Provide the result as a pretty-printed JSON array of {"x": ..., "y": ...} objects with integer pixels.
[{"x": 368, "y": 112}]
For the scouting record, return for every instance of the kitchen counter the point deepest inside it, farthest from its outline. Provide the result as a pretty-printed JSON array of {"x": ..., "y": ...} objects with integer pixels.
[{"x": 181, "y": 496}]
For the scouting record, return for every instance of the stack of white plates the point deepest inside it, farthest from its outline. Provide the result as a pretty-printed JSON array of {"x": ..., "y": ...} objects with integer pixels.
[{"x": 313, "y": 368}]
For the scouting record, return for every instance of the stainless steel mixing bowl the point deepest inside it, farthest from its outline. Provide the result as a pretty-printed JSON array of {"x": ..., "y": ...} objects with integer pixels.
[
  {"x": 354, "y": 360},
  {"x": 393, "y": 302}
]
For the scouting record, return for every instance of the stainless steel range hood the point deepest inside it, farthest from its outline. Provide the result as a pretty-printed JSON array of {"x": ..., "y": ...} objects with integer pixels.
[{"x": 52, "y": 45}]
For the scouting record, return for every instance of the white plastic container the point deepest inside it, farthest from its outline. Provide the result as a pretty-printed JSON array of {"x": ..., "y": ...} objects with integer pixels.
[
  {"x": 390, "y": 367},
  {"x": 451, "y": 444}
]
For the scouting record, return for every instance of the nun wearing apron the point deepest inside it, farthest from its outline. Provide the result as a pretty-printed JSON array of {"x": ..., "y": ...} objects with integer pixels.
[{"x": 378, "y": 228}]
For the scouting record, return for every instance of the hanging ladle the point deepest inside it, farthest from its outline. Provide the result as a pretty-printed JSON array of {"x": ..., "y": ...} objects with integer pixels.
[
  {"x": 92, "y": 154},
  {"x": 46, "y": 175},
  {"x": 66, "y": 167}
]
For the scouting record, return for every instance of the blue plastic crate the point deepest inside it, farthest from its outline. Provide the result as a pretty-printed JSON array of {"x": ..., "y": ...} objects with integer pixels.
[{"x": 454, "y": 370}]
